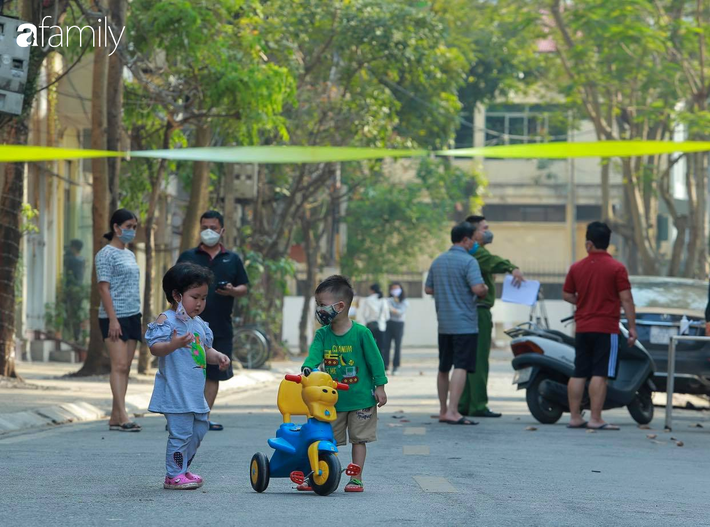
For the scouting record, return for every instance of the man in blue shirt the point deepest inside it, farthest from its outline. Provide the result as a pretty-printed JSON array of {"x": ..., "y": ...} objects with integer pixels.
[{"x": 455, "y": 281}]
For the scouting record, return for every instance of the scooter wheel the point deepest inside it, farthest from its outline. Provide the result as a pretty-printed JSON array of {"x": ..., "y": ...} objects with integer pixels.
[
  {"x": 328, "y": 480},
  {"x": 641, "y": 408},
  {"x": 541, "y": 409},
  {"x": 259, "y": 472}
]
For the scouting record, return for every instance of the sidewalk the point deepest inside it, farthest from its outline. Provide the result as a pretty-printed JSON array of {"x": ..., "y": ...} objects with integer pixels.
[{"x": 48, "y": 397}]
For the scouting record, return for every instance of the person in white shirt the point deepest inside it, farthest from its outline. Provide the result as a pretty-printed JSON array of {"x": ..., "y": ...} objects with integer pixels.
[
  {"x": 398, "y": 304},
  {"x": 374, "y": 313}
]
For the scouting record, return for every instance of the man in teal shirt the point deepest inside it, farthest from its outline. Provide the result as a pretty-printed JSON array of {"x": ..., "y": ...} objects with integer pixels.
[{"x": 474, "y": 400}]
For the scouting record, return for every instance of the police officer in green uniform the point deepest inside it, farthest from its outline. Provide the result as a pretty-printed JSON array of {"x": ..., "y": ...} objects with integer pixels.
[{"x": 474, "y": 400}]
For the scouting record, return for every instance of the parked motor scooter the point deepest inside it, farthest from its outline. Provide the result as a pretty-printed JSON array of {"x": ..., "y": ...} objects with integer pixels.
[{"x": 544, "y": 362}]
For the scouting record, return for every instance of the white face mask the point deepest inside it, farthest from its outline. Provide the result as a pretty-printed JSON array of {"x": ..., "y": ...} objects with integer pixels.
[
  {"x": 181, "y": 313},
  {"x": 210, "y": 237},
  {"x": 396, "y": 292}
]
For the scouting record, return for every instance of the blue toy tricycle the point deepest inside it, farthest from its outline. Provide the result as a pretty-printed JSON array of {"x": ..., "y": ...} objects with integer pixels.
[{"x": 306, "y": 451}]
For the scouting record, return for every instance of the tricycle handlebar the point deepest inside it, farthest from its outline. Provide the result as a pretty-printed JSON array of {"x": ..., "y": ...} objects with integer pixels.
[
  {"x": 293, "y": 378},
  {"x": 342, "y": 386}
]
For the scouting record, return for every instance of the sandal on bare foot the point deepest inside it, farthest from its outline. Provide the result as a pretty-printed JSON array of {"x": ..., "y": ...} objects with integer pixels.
[
  {"x": 125, "y": 427},
  {"x": 354, "y": 485},
  {"x": 605, "y": 426},
  {"x": 462, "y": 421}
]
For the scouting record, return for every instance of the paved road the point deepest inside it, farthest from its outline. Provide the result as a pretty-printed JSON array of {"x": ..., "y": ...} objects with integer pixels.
[{"x": 420, "y": 472}]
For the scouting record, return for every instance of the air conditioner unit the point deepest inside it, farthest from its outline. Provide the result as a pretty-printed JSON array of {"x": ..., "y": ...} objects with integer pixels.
[
  {"x": 246, "y": 181},
  {"x": 14, "y": 66}
]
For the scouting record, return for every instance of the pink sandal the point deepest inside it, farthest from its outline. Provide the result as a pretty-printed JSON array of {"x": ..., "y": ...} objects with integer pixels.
[
  {"x": 194, "y": 477},
  {"x": 181, "y": 482}
]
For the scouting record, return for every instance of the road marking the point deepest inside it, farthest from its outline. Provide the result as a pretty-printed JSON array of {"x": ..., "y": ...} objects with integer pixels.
[
  {"x": 434, "y": 484},
  {"x": 415, "y": 431},
  {"x": 416, "y": 450}
]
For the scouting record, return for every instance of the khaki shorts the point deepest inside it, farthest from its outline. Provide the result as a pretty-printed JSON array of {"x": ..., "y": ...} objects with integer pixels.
[{"x": 361, "y": 426}]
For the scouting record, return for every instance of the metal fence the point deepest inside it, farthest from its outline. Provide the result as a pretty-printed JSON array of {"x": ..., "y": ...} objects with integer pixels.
[{"x": 670, "y": 386}]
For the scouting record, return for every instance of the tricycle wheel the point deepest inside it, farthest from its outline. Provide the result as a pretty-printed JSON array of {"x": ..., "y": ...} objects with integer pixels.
[
  {"x": 259, "y": 472},
  {"x": 329, "y": 478}
]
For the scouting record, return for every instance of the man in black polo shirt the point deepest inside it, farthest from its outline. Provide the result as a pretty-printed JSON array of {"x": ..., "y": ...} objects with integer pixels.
[{"x": 227, "y": 268}]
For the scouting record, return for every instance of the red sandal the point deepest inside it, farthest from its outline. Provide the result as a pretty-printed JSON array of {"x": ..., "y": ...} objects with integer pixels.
[{"x": 354, "y": 485}]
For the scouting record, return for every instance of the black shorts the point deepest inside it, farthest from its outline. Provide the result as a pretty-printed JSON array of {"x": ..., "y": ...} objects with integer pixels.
[
  {"x": 597, "y": 355},
  {"x": 131, "y": 328},
  {"x": 223, "y": 345},
  {"x": 458, "y": 351}
]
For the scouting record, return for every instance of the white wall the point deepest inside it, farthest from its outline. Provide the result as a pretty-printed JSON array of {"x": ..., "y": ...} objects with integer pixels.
[
  {"x": 421, "y": 328},
  {"x": 292, "y": 318}
]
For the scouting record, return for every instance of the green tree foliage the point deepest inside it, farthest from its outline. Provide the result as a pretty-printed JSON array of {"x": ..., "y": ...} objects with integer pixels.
[
  {"x": 392, "y": 224},
  {"x": 368, "y": 72},
  {"x": 631, "y": 66},
  {"x": 206, "y": 60},
  {"x": 499, "y": 44},
  {"x": 357, "y": 64}
]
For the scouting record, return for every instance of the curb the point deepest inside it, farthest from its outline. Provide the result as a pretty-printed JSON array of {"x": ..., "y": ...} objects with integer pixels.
[
  {"x": 49, "y": 416},
  {"x": 82, "y": 411}
]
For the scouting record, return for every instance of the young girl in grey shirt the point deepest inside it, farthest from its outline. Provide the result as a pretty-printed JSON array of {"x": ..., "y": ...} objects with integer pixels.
[{"x": 183, "y": 343}]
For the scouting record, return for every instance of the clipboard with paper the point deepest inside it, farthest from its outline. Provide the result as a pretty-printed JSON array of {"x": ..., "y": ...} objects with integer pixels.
[{"x": 526, "y": 294}]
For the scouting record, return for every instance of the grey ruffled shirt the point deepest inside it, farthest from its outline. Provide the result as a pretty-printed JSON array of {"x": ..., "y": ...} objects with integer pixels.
[
  {"x": 399, "y": 306},
  {"x": 180, "y": 381}
]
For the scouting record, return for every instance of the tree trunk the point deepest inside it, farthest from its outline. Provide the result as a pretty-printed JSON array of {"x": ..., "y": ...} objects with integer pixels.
[
  {"x": 636, "y": 211},
  {"x": 199, "y": 193},
  {"x": 607, "y": 211},
  {"x": 311, "y": 250},
  {"x": 97, "y": 360},
  {"x": 144, "y": 352},
  {"x": 156, "y": 182},
  {"x": 692, "y": 250},
  {"x": 10, "y": 205},
  {"x": 230, "y": 223},
  {"x": 15, "y": 132},
  {"x": 274, "y": 303},
  {"x": 114, "y": 96},
  {"x": 681, "y": 224},
  {"x": 700, "y": 270}
]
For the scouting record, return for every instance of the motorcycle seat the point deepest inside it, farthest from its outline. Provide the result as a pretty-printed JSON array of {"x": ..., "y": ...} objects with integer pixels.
[{"x": 566, "y": 339}]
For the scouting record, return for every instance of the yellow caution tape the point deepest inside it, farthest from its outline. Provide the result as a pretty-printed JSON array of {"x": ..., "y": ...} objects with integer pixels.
[
  {"x": 14, "y": 153},
  {"x": 325, "y": 154},
  {"x": 568, "y": 150}
]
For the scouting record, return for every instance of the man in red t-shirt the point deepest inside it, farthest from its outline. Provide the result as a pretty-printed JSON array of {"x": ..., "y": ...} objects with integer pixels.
[{"x": 598, "y": 286}]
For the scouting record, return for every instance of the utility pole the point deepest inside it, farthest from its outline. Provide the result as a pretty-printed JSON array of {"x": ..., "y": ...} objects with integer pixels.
[
  {"x": 230, "y": 221},
  {"x": 571, "y": 194}
]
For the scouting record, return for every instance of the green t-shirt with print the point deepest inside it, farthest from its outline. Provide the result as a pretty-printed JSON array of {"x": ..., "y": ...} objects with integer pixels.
[{"x": 352, "y": 359}]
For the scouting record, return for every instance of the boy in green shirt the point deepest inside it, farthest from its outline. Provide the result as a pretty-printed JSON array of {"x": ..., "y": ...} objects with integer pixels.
[{"x": 348, "y": 353}]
